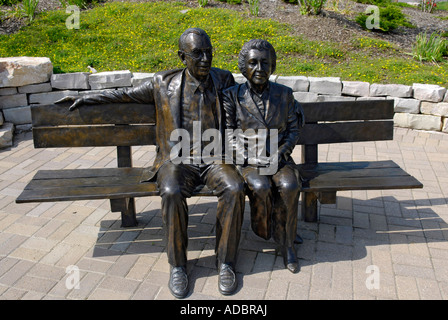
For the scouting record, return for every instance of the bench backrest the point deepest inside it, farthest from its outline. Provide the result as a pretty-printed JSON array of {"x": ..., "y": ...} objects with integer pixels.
[
  {"x": 344, "y": 121},
  {"x": 103, "y": 125},
  {"x": 347, "y": 121},
  {"x": 131, "y": 124}
]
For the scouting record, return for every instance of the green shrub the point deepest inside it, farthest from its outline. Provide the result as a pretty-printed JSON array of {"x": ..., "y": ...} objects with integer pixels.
[
  {"x": 432, "y": 49},
  {"x": 375, "y": 2},
  {"x": 403, "y": 5},
  {"x": 390, "y": 18},
  {"x": 79, "y": 3},
  {"x": 8, "y": 2},
  {"x": 29, "y": 7},
  {"x": 232, "y": 1},
  {"x": 313, "y": 7},
  {"x": 254, "y": 6}
]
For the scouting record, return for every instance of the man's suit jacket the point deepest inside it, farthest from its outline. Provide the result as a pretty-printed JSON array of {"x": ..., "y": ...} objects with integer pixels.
[
  {"x": 283, "y": 113},
  {"x": 165, "y": 92}
]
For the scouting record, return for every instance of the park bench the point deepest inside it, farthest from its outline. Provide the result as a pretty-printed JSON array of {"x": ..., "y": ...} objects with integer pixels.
[{"x": 124, "y": 125}]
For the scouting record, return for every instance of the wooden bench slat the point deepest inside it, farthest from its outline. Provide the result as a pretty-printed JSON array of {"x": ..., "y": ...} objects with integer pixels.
[
  {"x": 363, "y": 183},
  {"x": 358, "y": 173},
  {"x": 348, "y": 165},
  {"x": 94, "y": 136},
  {"x": 124, "y": 113},
  {"x": 346, "y": 132},
  {"x": 85, "y": 178},
  {"x": 86, "y": 173},
  {"x": 81, "y": 184},
  {"x": 348, "y": 110},
  {"x": 112, "y": 113},
  {"x": 96, "y": 192},
  {"x": 78, "y": 182},
  {"x": 357, "y": 176},
  {"x": 87, "y": 193}
]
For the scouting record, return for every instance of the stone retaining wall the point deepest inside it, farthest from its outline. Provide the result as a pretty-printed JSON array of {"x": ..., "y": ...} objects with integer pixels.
[{"x": 26, "y": 81}]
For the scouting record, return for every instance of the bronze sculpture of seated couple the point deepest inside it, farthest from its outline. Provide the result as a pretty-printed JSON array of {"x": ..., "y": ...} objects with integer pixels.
[{"x": 202, "y": 94}]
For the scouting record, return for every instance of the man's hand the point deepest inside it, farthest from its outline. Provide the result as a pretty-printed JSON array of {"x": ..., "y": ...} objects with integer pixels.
[
  {"x": 262, "y": 161},
  {"x": 76, "y": 102}
]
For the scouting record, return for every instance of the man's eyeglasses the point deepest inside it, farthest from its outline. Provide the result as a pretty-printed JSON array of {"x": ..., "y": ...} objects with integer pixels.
[{"x": 198, "y": 54}]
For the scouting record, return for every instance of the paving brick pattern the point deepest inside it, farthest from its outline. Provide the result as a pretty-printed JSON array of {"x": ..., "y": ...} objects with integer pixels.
[{"x": 370, "y": 245}]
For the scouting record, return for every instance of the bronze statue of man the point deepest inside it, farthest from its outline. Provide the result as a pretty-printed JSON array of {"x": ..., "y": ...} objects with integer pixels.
[
  {"x": 259, "y": 106},
  {"x": 183, "y": 97}
]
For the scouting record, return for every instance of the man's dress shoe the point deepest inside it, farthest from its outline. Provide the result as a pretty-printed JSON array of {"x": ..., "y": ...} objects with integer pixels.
[
  {"x": 227, "y": 282},
  {"x": 178, "y": 283}
]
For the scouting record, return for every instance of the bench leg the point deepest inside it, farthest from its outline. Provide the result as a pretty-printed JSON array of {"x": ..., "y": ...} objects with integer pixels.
[
  {"x": 128, "y": 217},
  {"x": 309, "y": 206},
  {"x": 127, "y": 208}
]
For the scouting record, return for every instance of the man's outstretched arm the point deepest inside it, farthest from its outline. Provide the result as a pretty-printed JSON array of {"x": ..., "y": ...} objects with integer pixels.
[{"x": 141, "y": 94}]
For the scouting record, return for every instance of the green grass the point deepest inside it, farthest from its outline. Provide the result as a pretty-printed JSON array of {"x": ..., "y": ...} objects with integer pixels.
[
  {"x": 142, "y": 37},
  {"x": 442, "y": 5}
]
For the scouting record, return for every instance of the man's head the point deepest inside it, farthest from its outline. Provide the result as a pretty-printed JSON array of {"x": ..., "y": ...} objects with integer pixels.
[
  {"x": 257, "y": 61},
  {"x": 195, "y": 51}
]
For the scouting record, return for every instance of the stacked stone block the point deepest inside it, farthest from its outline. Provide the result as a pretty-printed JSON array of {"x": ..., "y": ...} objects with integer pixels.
[
  {"x": 26, "y": 81},
  {"x": 420, "y": 106}
]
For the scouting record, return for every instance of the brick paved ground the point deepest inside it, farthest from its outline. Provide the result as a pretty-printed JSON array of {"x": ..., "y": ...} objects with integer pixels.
[{"x": 396, "y": 239}]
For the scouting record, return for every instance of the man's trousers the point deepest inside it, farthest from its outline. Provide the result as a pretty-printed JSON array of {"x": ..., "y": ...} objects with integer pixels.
[{"x": 176, "y": 182}]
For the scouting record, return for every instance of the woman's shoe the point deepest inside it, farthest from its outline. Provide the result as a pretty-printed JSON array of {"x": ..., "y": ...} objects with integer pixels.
[
  {"x": 289, "y": 258},
  {"x": 298, "y": 239}
]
